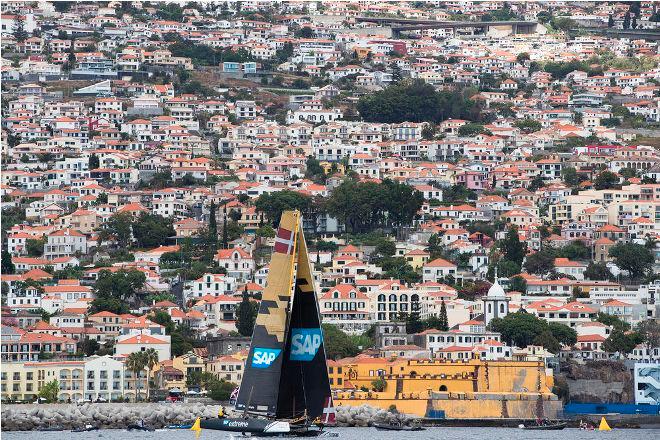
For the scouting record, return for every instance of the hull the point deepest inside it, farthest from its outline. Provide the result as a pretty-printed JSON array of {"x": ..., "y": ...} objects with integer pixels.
[
  {"x": 553, "y": 427},
  {"x": 386, "y": 427},
  {"x": 256, "y": 426}
]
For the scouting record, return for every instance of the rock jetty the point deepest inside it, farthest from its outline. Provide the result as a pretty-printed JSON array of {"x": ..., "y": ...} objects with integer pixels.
[
  {"x": 365, "y": 415},
  {"x": 104, "y": 415},
  {"x": 155, "y": 415}
]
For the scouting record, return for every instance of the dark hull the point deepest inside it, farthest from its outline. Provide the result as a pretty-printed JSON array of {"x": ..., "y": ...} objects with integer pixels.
[
  {"x": 261, "y": 427},
  {"x": 93, "y": 428},
  {"x": 139, "y": 428},
  {"x": 387, "y": 427},
  {"x": 256, "y": 426},
  {"x": 552, "y": 427}
]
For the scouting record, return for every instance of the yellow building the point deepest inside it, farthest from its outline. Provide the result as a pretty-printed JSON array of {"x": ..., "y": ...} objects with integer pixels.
[
  {"x": 168, "y": 378},
  {"x": 22, "y": 381},
  {"x": 229, "y": 368},
  {"x": 417, "y": 258},
  {"x": 328, "y": 167},
  {"x": 454, "y": 389}
]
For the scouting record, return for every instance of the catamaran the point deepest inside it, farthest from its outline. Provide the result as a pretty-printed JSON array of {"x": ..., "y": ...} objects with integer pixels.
[{"x": 285, "y": 387}]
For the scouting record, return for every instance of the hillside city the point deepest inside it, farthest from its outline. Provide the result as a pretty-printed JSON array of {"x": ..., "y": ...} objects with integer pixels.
[{"x": 478, "y": 181}]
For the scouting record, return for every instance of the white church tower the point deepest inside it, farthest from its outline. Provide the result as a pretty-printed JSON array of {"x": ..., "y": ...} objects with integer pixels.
[{"x": 496, "y": 303}]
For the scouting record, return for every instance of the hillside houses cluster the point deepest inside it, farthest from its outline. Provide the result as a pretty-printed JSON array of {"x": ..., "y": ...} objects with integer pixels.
[{"x": 101, "y": 120}]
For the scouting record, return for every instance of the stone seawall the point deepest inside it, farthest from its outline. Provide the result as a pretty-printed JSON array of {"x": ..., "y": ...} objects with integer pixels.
[
  {"x": 104, "y": 415},
  {"x": 155, "y": 415}
]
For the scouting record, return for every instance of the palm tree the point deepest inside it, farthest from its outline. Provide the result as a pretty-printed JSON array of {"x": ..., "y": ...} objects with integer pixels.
[
  {"x": 136, "y": 362},
  {"x": 151, "y": 357}
]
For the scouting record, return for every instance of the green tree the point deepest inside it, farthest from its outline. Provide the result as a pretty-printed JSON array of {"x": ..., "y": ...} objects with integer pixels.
[
  {"x": 114, "y": 290},
  {"x": 385, "y": 248},
  {"x": 598, "y": 271},
  {"x": 428, "y": 132},
  {"x": 613, "y": 321},
  {"x": 634, "y": 258},
  {"x": 213, "y": 225},
  {"x": 540, "y": 262},
  {"x": 563, "y": 23},
  {"x": 522, "y": 57},
  {"x": 93, "y": 162},
  {"x": 379, "y": 385},
  {"x": 619, "y": 342},
  {"x": 570, "y": 176},
  {"x": 471, "y": 129},
  {"x": 575, "y": 250},
  {"x": 528, "y": 125},
  {"x": 246, "y": 315},
  {"x": 512, "y": 248},
  {"x": 518, "y": 284},
  {"x": 519, "y": 328},
  {"x": 119, "y": 227},
  {"x": 413, "y": 322},
  {"x": 50, "y": 391},
  {"x": 284, "y": 53},
  {"x": 304, "y": 32},
  {"x": 606, "y": 180},
  {"x": 35, "y": 247},
  {"x": 416, "y": 101},
  {"x": 628, "y": 172},
  {"x": 19, "y": 32},
  {"x": 152, "y": 230},
  {"x": 151, "y": 360},
  {"x": 220, "y": 390},
  {"x": 8, "y": 267},
  {"x": 225, "y": 231},
  {"x": 88, "y": 346},
  {"x": 136, "y": 362},
  {"x": 444, "y": 321},
  {"x": 314, "y": 170},
  {"x": 272, "y": 204},
  {"x": 649, "y": 330},
  {"x": 266, "y": 231},
  {"x": 626, "y": 20},
  {"x": 563, "y": 334},
  {"x": 548, "y": 342},
  {"x": 337, "y": 343}
]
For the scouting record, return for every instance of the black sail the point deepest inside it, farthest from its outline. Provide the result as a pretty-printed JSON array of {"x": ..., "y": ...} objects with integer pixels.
[
  {"x": 260, "y": 385},
  {"x": 304, "y": 384},
  {"x": 285, "y": 372}
]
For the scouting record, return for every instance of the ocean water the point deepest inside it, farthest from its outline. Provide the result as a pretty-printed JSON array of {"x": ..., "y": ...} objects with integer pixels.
[{"x": 445, "y": 433}]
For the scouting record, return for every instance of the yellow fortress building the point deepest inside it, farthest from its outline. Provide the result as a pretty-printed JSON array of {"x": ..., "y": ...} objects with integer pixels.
[{"x": 465, "y": 389}]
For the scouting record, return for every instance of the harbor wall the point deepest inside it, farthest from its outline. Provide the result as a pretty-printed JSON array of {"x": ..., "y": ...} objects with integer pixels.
[
  {"x": 30, "y": 417},
  {"x": 480, "y": 407}
]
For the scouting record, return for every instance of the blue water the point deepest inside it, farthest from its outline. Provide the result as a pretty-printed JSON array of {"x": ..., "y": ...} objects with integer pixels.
[{"x": 357, "y": 434}]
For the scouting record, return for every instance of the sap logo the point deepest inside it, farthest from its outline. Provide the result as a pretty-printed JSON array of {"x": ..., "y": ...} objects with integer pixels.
[
  {"x": 305, "y": 342},
  {"x": 264, "y": 357}
]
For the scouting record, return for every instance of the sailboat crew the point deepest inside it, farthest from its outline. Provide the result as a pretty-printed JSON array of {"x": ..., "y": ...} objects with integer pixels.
[{"x": 221, "y": 412}]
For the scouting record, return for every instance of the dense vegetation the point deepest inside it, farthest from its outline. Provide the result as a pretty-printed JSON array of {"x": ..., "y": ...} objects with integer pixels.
[{"x": 417, "y": 101}]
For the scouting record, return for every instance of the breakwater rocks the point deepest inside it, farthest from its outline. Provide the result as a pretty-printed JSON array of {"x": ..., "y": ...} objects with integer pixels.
[
  {"x": 104, "y": 415},
  {"x": 155, "y": 415},
  {"x": 365, "y": 415}
]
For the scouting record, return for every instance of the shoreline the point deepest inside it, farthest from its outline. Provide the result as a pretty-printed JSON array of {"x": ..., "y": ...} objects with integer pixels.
[{"x": 115, "y": 416}]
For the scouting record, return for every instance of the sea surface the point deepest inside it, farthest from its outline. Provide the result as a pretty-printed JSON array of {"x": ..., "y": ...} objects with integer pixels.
[{"x": 445, "y": 433}]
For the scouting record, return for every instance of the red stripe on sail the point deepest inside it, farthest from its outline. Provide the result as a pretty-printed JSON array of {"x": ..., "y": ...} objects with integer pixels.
[
  {"x": 328, "y": 412},
  {"x": 284, "y": 241}
]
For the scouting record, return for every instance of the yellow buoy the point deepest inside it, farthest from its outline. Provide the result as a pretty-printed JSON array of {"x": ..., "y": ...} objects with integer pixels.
[
  {"x": 603, "y": 425},
  {"x": 196, "y": 426}
]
